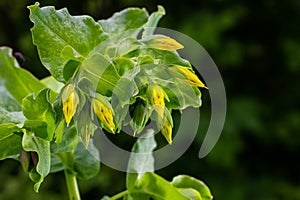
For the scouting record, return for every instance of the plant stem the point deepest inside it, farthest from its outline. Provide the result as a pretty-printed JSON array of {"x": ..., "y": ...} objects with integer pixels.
[
  {"x": 72, "y": 186},
  {"x": 119, "y": 195}
]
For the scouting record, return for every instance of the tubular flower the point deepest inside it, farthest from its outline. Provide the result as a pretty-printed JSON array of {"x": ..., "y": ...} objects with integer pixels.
[
  {"x": 192, "y": 78},
  {"x": 157, "y": 98},
  {"x": 70, "y": 101},
  {"x": 167, "y": 131},
  {"x": 104, "y": 113}
]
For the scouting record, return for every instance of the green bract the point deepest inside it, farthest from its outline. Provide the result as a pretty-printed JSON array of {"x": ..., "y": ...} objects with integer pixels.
[{"x": 103, "y": 75}]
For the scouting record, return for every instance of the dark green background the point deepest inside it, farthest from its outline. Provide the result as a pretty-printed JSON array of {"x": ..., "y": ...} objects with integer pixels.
[{"x": 255, "y": 44}]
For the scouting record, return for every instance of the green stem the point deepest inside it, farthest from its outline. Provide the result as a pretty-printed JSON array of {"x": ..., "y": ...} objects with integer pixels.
[
  {"x": 72, "y": 186},
  {"x": 119, "y": 195}
]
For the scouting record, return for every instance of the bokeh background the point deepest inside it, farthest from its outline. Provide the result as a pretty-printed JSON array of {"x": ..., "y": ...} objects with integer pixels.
[{"x": 255, "y": 44}]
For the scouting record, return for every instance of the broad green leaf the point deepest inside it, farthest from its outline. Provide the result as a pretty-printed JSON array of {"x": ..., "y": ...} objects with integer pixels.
[
  {"x": 124, "y": 65},
  {"x": 127, "y": 45},
  {"x": 56, "y": 163},
  {"x": 11, "y": 117},
  {"x": 185, "y": 181},
  {"x": 126, "y": 23},
  {"x": 190, "y": 193},
  {"x": 70, "y": 68},
  {"x": 68, "y": 142},
  {"x": 101, "y": 73},
  {"x": 17, "y": 81},
  {"x": 60, "y": 37},
  {"x": 153, "y": 21},
  {"x": 52, "y": 83},
  {"x": 40, "y": 109},
  {"x": 157, "y": 187},
  {"x": 42, "y": 147},
  {"x": 38, "y": 127},
  {"x": 10, "y": 140},
  {"x": 141, "y": 159},
  {"x": 7, "y": 102},
  {"x": 86, "y": 161}
]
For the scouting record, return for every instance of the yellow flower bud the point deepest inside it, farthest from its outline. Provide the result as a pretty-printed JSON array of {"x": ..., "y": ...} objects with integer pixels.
[
  {"x": 167, "y": 131},
  {"x": 104, "y": 112},
  {"x": 192, "y": 78},
  {"x": 157, "y": 99},
  {"x": 70, "y": 101}
]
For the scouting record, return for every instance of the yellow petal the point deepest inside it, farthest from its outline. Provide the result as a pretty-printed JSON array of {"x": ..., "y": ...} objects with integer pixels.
[
  {"x": 158, "y": 99},
  {"x": 192, "y": 78},
  {"x": 104, "y": 114},
  {"x": 70, "y": 106}
]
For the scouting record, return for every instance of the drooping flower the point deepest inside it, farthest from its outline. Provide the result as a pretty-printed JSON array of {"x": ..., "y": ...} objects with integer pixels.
[
  {"x": 191, "y": 77},
  {"x": 104, "y": 112},
  {"x": 140, "y": 116},
  {"x": 70, "y": 102},
  {"x": 166, "y": 130},
  {"x": 157, "y": 98}
]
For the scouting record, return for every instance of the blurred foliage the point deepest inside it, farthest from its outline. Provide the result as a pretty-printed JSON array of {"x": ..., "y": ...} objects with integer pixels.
[{"x": 257, "y": 49}]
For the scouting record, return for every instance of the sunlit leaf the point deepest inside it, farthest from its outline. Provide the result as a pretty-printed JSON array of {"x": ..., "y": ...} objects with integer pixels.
[
  {"x": 18, "y": 81},
  {"x": 38, "y": 110},
  {"x": 141, "y": 159},
  {"x": 86, "y": 161},
  {"x": 126, "y": 23},
  {"x": 185, "y": 182},
  {"x": 158, "y": 188},
  {"x": 61, "y": 37},
  {"x": 153, "y": 21},
  {"x": 42, "y": 147},
  {"x": 10, "y": 140}
]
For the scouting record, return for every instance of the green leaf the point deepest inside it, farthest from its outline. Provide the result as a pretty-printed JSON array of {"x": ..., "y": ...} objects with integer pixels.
[
  {"x": 86, "y": 161},
  {"x": 101, "y": 73},
  {"x": 7, "y": 102},
  {"x": 185, "y": 182},
  {"x": 56, "y": 163},
  {"x": 127, "y": 45},
  {"x": 60, "y": 37},
  {"x": 123, "y": 65},
  {"x": 42, "y": 147},
  {"x": 68, "y": 142},
  {"x": 40, "y": 109},
  {"x": 10, "y": 141},
  {"x": 126, "y": 23},
  {"x": 53, "y": 84},
  {"x": 157, "y": 187},
  {"x": 153, "y": 21},
  {"x": 141, "y": 159},
  {"x": 69, "y": 69},
  {"x": 190, "y": 193},
  {"x": 17, "y": 81},
  {"x": 166, "y": 57},
  {"x": 11, "y": 117}
]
